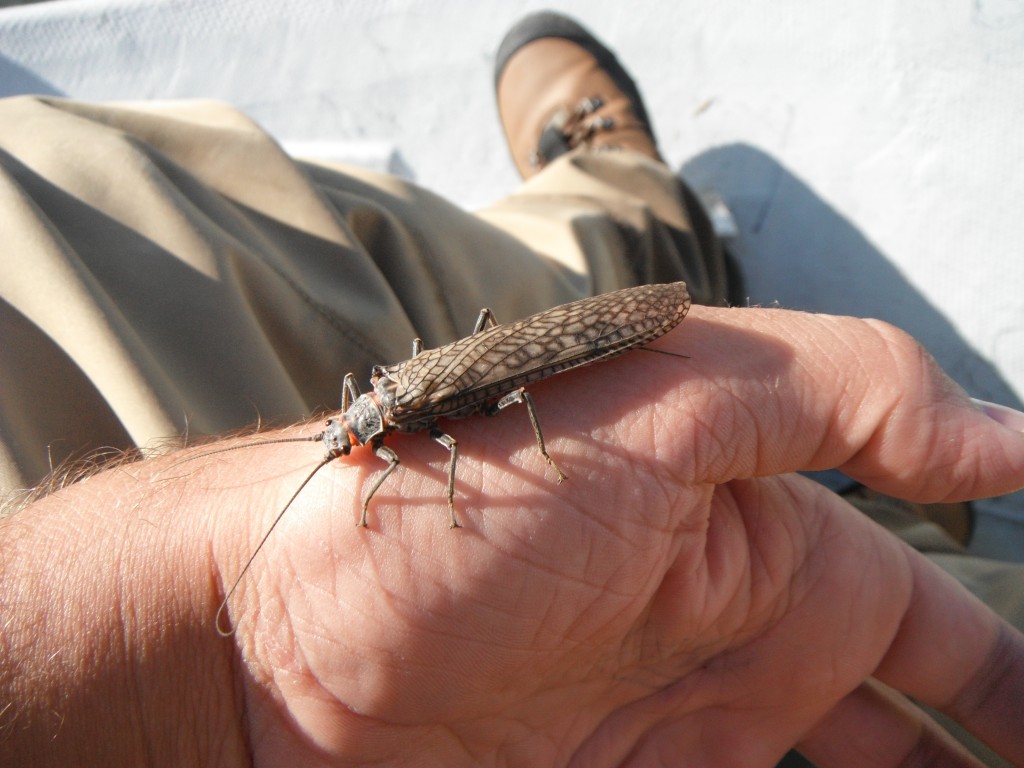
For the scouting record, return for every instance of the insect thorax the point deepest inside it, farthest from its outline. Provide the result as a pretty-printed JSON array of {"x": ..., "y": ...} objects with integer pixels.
[{"x": 365, "y": 419}]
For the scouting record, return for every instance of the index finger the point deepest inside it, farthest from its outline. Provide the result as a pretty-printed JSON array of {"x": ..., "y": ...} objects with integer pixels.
[{"x": 773, "y": 391}]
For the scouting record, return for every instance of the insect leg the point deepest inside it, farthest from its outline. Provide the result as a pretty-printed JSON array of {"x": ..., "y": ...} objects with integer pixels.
[
  {"x": 383, "y": 452},
  {"x": 349, "y": 391},
  {"x": 452, "y": 445},
  {"x": 522, "y": 396},
  {"x": 485, "y": 320}
]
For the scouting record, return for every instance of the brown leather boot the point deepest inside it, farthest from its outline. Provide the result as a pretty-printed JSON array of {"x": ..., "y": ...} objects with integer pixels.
[{"x": 559, "y": 88}]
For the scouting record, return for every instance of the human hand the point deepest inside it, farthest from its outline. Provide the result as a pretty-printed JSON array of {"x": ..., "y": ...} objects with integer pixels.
[{"x": 681, "y": 599}]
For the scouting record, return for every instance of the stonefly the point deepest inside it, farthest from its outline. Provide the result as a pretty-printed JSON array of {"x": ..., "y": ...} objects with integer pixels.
[{"x": 484, "y": 373}]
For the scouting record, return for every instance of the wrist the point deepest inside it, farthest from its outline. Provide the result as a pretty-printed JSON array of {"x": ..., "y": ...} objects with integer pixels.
[{"x": 106, "y": 590}]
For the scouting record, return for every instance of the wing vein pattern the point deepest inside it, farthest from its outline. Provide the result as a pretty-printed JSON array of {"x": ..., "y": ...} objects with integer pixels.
[{"x": 469, "y": 372}]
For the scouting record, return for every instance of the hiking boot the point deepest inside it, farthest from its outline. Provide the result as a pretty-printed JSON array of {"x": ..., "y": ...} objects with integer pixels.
[{"x": 559, "y": 88}]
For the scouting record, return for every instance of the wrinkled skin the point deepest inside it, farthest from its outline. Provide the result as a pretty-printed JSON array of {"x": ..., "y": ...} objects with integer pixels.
[{"x": 682, "y": 599}]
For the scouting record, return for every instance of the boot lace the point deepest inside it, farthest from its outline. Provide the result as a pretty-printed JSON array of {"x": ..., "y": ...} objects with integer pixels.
[{"x": 571, "y": 128}]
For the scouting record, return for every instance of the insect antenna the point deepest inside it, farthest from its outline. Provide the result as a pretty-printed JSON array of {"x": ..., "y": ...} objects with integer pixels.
[
  {"x": 224, "y": 603},
  {"x": 268, "y": 441}
]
